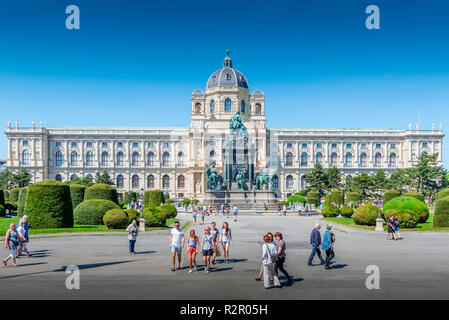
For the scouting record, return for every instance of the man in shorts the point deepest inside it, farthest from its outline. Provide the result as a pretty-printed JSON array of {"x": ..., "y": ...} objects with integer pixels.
[{"x": 176, "y": 245}]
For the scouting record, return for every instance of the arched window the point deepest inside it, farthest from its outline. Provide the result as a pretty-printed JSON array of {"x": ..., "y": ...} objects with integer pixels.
[
  {"x": 166, "y": 159},
  {"x": 180, "y": 159},
  {"x": 181, "y": 182},
  {"x": 58, "y": 177},
  {"x": 198, "y": 108},
  {"x": 258, "y": 109},
  {"x": 289, "y": 182},
  {"x": 289, "y": 159},
  {"x": 150, "y": 181},
  {"x": 59, "y": 158},
  {"x": 275, "y": 183},
  {"x": 333, "y": 159},
  {"x": 212, "y": 157},
  {"x": 392, "y": 159},
  {"x": 104, "y": 159},
  {"x": 348, "y": 160},
  {"x": 228, "y": 105},
  {"x": 165, "y": 181},
  {"x": 363, "y": 160},
  {"x": 135, "y": 158},
  {"x": 212, "y": 106},
  {"x": 242, "y": 107},
  {"x": 26, "y": 156},
  {"x": 74, "y": 158},
  {"x": 135, "y": 181},
  {"x": 89, "y": 158},
  {"x": 120, "y": 159},
  {"x": 150, "y": 159},
  {"x": 73, "y": 177},
  {"x": 303, "y": 159},
  {"x": 120, "y": 181},
  {"x": 377, "y": 159},
  {"x": 318, "y": 157},
  {"x": 303, "y": 182},
  {"x": 89, "y": 177}
]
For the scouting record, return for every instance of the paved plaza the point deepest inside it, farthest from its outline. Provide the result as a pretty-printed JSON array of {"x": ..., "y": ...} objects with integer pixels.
[{"x": 413, "y": 268}]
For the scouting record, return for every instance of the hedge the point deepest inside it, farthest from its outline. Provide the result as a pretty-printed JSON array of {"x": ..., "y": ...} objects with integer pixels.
[
  {"x": 115, "y": 219},
  {"x": 77, "y": 194},
  {"x": 366, "y": 215},
  {"x": 48, "y": 205},
  {"x": 296, "y": 198},
  {"x": 153, "y": 217},
  {"x": 442, "y": 194},
  {"x": 353, "y": 197},
  {"x": 441, "y": 218},
  {"x": 14, "y": 195},
  {"x": 153, "y": 198},
  {"x": 21, "y": 202},
  {"x": 313, "y": 197},
  {"x": 2, "y": 197},
  {"x": 409, "y": 203},
  {"x": 414, "y": 194},
  {"x": 132, "y": 214},
  {"x": 330, "y": 211},
  {"x": 390, "y": 194},
  {"x": 337, "y": 197},
  {"x": 130, "y": 196},
  {"x": 407, "y": 218},
  {"x": 168, "y": 210},
  {"x": 346, "y": 211},
  {"x": 2, "y": 211},
  {"x": 101, "y": 191},
  {"x": 91, "y": 212}
]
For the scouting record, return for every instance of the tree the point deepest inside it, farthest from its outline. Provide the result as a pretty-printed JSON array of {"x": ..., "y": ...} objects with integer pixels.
[
  {"x": 104, "y": 178},
  {"x": 427, "y": 173},
  {"x": 6, "y": 179},
  {"x": 333, "y": 176},
  {"x": 9, "y": 180},
  {"x": 362, "y": 183},
  {"x": 317, "y": 179},
  {"x": 380, "y": 180}
]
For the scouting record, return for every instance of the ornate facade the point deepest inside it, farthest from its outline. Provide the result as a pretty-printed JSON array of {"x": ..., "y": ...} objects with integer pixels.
[{"x": 175, "y": 159}]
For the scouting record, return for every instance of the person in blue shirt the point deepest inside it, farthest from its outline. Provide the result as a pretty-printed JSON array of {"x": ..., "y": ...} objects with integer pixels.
[
  {"x": 328, "y": 246},
  {"x": 315, "y": 241}
]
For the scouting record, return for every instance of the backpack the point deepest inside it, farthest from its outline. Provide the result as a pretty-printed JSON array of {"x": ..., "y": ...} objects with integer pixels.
[{"x": 332, "y": 237}]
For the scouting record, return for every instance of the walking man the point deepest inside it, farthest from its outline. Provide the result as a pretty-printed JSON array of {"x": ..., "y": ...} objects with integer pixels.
[
  {"x": 328, "y": 246},
  {"x": 215, "y": 235},
  {"x": 315, "y": 241},
  {"x": 235, "y": 210},
  {"x": 176, "y": 245}
]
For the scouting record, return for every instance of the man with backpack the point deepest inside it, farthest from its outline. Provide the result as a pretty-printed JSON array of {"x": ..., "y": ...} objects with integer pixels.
[
  {"x": 315, "y": 241},
  {"x": 328, "y": 246}
]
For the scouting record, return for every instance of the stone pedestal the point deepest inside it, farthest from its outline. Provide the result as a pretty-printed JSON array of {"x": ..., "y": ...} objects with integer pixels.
[
  {"x": 379, "y": 224},
  {"x": 141, "y": 225}
]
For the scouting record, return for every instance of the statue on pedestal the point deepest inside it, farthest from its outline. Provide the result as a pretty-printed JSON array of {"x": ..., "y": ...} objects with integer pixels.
[
  {"x": 214, "y": 179},
  {"x": 236, "y": 124},
  {"x": 265, "y": 176}
]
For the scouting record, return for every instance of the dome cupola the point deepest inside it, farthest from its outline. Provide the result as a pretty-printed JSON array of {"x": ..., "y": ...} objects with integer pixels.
[{"x": 227, "y": 76}]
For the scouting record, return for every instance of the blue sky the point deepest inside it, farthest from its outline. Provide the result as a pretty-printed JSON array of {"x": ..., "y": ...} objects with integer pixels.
[{"x": 136, "y": 63}]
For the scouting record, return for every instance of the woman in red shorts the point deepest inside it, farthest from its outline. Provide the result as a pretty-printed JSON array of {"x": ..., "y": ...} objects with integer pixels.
[{"x": 192, "y": 249}]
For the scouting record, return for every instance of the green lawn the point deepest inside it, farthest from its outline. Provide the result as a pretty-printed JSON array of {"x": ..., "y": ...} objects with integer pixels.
[{"x": 428, "y": 226}]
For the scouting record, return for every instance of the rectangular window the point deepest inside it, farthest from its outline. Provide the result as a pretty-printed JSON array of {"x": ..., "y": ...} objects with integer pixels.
[
  {"x": 120, "y": 144},
  {"x": 25, "y": 142},
  {"x": 58, "y": 143},
  {"x": 104, "y": 144},
  {"x": 363, "y": 146},
  {"x": 333, "y": 145},
  {"x": 289, "y": 145},
  {"x": 135, "y": 144},
  {"x": 165, "y": 144},
  {"x": 304, "y": 145},
  {"x": 349, "y": 145},
  {"x": 74, "y": 144},
  {"x": 378, "y": 145},
  {"x": 89, "y": 143},
  {"x": 393, "y": 146},
  {"x": 319, "y": 145},
  {"x": 150, "y": 144},
  {"x": 424, "y": 144}
]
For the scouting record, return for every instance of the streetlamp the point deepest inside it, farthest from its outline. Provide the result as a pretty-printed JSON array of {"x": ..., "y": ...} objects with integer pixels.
[
  {"x": 379, "y": 220},
  {"x": 142, "y": 219}
]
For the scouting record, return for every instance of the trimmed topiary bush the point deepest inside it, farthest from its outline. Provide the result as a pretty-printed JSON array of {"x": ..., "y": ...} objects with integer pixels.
[
  {"x": 77, "y": 194},
  {"x": 21, "y": 202},
  {"x": 14, "y": 195},
  {"x": 296, "y": 198},
  {"x": 129, "y": 196},
  {"x": 153, "y": 198},
  {"x": 48, "y": 205},
  {"x": 101, "y": 191},
  {"x": 91, "y": 212},
  {"x": 2, "y": 211},
  {"x": 442, "y": 194},
  {"x": 407, "y": 218},
  {"x": 390, "y": 194},
  {"x": 153, "y": 217},
  {"x": 313, "y": 197},
  {"x": 168, "y": 210},
  {"x": 366, "y": 215},
  {"x": 409, "y": 203},
  {"x": 415, "y": 195},
  {"x": 337, "y": 197},
  {"x": 330, "y": 211},
  {"x": 132, "y": 214},
  {"x": 346, "y": 211},
  {"x": 353, "y": 197},
  {"x": 2, "y": 197},
  {"x": 441, "y": 218},
  {"x": 115, "y": 219}
]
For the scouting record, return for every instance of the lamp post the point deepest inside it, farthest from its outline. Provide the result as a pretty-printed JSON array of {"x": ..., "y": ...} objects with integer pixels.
[
  {"x": 142, "y": 219},
  {"x": 379, "y": 220}
]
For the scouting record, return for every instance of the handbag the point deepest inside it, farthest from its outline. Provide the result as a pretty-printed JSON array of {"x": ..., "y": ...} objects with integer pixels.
[{"x": 274, "y": 258}]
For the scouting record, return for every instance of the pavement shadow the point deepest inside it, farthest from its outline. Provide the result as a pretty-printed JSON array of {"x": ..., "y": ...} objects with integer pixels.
[
  {"x": 31, "y": 264},
  {"x": 145, "y": 252},
  {"x": 221, "y": 269},
  {"x": 41, "y": 253},
  {"x": 294, "y": 280},
  {"x": 95, "y": 265},
  {"x": 338, "y": 266}
]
